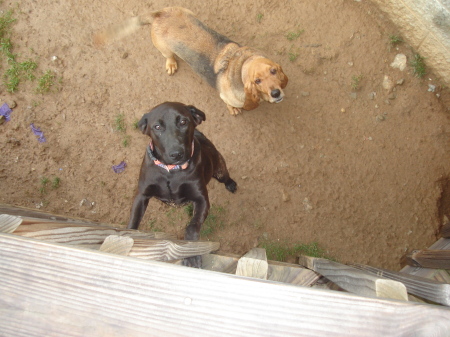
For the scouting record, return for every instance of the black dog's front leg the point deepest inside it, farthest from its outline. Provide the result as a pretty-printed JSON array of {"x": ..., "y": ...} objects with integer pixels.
[
  {"x": 201, "y": 209},
  {"x": 138, "y": 210}
]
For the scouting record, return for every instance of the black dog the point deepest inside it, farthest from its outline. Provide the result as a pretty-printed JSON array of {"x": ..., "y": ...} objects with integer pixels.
[{"x": 177, "y": 166}]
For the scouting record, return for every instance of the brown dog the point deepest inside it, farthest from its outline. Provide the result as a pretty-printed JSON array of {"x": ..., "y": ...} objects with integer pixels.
[{"x": 243, "y": 76}]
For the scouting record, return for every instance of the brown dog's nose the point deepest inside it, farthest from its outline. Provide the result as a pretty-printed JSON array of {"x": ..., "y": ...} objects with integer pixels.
[{"x": 275, "y": 93}]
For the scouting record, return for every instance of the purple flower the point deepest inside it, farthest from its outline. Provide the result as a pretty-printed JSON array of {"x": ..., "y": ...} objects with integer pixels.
[
  {"x": 120, "y": 167},
  {"x": 39, "y": 133},
  {"x": 5, "y": 111}
]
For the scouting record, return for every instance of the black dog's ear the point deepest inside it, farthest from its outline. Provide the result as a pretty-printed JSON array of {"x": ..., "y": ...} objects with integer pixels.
[
  {"x": 198, "y": 115},
  {"x": 143, "y": 124}
]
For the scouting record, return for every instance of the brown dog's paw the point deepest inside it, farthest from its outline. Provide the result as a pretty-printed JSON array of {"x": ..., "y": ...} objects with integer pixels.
[
  {"x": 171, "y": 66},
  {"x": 194, "y": 261},
  {"x": 234, "y": 111}
]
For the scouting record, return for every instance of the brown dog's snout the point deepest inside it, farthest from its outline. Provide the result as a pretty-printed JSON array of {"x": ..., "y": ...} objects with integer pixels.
[{"x": 275, "y": 93}]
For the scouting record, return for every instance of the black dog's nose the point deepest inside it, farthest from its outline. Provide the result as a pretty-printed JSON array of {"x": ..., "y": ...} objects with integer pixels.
[
  {"x": 176, "y": 154},
  {"x": 275, "y": 93}
]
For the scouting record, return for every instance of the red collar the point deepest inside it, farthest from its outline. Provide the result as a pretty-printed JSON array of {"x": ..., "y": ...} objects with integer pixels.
[{"x": 164, "y": 166}]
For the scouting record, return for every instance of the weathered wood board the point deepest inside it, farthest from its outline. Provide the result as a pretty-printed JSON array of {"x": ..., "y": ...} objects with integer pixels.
[{"x": 51, "y": 289}]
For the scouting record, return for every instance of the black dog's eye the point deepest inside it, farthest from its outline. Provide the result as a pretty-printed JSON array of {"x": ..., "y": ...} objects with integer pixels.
[
  {"x": 257, "y": 81},
  {"x": 157, "y": 127},
  {"x": 183, "y": 122},
  {"x": 273, "y": 71}
]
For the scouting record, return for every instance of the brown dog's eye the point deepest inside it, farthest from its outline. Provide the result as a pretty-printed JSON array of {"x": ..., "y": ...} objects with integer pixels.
[
  {"x": 273, "y": 71},
  {"x": 183, "y": 122},
  {"x": 257, "y": 81}
]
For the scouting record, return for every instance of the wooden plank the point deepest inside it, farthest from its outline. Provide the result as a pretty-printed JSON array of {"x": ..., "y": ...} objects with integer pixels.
[
  {"x": 253, "y": 264},
  {"x": 436, "y": 274},
  {"x": 34, "y": 213},
  {"x": 76, "y": 234},
  {"x": 428, "y": 258},
  {"x": 166, "y": 250},
  {"x": 220, "y": 263},
  {"x": 9, "y": 223},
  {"x": 428, "y": 289},
  {"x": 291, "y": 273},
  {"x": 56, "y": 290},
  {"x": 116, "y": 244},
  {"x": 354, "y": 280}
]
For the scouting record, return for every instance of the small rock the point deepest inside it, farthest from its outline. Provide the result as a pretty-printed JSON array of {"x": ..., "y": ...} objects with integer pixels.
[
  {"x": 307, "y": 205},
  {"x": 380, "y": 118},
  {"x": 387, "y": 83},
  {"x": 285, "y": 196},
  {"x": 392, "y": 95},
  {"x": 401, "y": 81},
  {"x": 372, "y": 95},
  {"x": 304, "y": 93},
  {"x": 350, "y": 64},
  {"x": 431, "y": 87},
  {"x": 399, "y": 62},
  {"x": 125, "y": 55},
  {"x": 12, "y": 104},
  {"x": 342, "y": 110}
]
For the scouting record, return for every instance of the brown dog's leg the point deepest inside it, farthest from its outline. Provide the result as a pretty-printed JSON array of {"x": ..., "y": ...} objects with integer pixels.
[
  {"x": 171, "y": 63},
  {"x": 234, "y": 111}
]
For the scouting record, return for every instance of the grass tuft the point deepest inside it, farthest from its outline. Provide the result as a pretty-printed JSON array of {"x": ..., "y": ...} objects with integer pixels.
[
  {"x": 418, "y": 64},
  {"x": 280, "y": 251},
  {"x": 294, "y": 35}
]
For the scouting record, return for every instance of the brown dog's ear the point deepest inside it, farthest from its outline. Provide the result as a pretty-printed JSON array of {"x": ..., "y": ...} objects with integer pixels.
[
  {"x": 283, "y": 78},
  {"x": 199, "y": 116},
  {"x": 251, "y": 96},
  {"x": 143, "y": 124}
]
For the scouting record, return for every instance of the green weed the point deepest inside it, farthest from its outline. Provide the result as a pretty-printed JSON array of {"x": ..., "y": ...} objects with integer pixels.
[
  {"x": 56, "y": 181},
  {"x": 126, "y": 140},
  {"x": 259, "y": 17},
  {"x": 356, "y": 81},
  {"x": 43, "y": 185},
  {"x": 46, "y": 82},
  {"x": 119, "y": 123},
  {"x": 418, "y": 64},
  {"x": 135, "y": 124},
  {"x": 395, "y": 40},
  {"x": 294, "y": 35},
  {"x": 280, "y": 251}
]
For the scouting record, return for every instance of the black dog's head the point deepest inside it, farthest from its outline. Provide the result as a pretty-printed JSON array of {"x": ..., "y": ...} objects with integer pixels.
[{"x": 171, "y": 127}]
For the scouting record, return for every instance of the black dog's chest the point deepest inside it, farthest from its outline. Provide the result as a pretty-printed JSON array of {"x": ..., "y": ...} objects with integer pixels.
[{"x": 170, "y": 192}]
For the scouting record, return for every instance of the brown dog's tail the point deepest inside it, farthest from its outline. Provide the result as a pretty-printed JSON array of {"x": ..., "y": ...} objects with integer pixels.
[{"x": 120, "y": 30}]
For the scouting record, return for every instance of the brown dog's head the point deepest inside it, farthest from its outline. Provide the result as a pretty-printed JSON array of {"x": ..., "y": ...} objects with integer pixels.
[
  {"x": 264, "y": 80},
  {"x": 171, "y": 127}
]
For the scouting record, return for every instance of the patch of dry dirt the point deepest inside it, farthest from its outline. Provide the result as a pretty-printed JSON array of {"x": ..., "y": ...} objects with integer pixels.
[{"x": 365, "y": 175}]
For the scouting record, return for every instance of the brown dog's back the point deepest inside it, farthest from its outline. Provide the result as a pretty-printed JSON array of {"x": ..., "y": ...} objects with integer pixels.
[{"x": 176, "y": 30}]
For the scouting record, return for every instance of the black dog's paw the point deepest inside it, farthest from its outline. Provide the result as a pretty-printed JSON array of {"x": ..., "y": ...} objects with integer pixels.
[
  {"x": 194, "y": 261},
  {"x": 231, "y": 185}
]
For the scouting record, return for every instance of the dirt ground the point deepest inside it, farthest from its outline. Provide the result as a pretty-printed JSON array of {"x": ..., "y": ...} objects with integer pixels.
[{"x": 359, "y": 169}]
